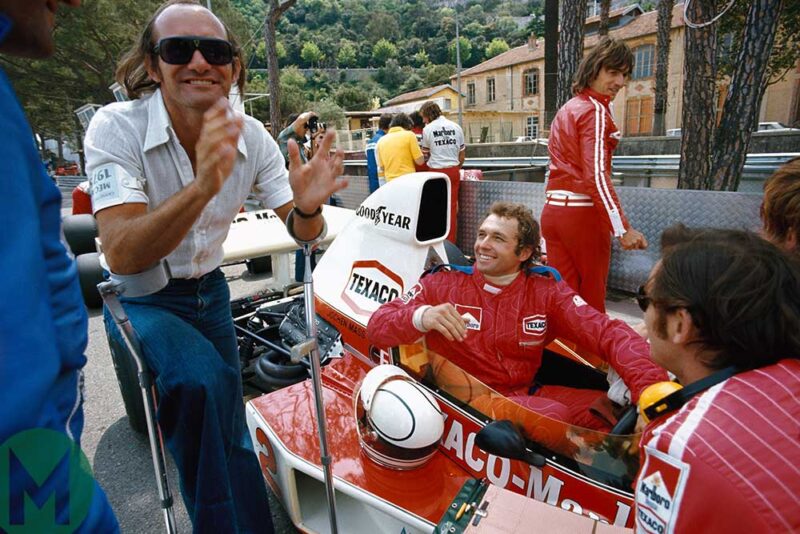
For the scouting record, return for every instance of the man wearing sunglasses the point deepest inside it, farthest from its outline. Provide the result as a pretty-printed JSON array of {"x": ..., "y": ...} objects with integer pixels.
[
  {"x": 722, "y": 453},
  {"x": 169, "y": 171},
  {"x": 43, "y": 331}
]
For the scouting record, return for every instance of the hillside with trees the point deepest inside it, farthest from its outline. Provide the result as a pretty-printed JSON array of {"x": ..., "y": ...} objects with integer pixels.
[{"x": 378, "y": 49}]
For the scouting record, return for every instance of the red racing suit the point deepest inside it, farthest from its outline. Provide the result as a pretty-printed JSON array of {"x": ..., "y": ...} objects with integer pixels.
[
  {"x": 509, "y": 328},
  {"x": 581, "y": 207},
  {"x": 728, "y": 460}
]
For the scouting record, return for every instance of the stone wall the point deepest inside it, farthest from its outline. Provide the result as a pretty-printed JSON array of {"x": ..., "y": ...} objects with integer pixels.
[{"x": 779, "y": 142}]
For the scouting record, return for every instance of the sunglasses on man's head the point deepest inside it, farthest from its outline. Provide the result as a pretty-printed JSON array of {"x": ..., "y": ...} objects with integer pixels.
[
  {"x": 643, "y": 299},
  {"x": 179, "y": 50}
]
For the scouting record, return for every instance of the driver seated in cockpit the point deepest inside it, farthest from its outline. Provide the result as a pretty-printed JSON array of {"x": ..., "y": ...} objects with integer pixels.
[{"x": 495, "y": 319}]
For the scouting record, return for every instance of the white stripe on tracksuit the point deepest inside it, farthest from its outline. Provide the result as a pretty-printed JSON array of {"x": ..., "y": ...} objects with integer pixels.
[{"x": 600, "y": 168}]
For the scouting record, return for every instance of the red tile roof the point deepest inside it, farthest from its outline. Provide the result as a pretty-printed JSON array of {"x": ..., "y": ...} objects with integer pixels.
[
  {"x": 419, "y": 94},
  {"x": 644, "y": 24}
]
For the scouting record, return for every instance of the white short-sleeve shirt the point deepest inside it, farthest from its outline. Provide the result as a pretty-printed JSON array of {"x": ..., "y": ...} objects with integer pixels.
[
  {"x": 445, "y": 140},
  {"x": 134, "y": 156}
]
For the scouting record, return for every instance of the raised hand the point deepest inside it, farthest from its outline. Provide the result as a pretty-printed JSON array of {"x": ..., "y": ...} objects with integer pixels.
[
  {"x": 216, "y": 146},
  {"x": 446, "y": 320},
  {"x": 314, "y": 182}
]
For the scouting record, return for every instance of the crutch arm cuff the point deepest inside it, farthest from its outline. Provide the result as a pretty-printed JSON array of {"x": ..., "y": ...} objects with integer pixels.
[{"x": 303, "y": 242}]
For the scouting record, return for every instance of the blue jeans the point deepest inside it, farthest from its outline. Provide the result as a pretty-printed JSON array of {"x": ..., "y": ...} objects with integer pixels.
[{"x": 189, "y": 343}]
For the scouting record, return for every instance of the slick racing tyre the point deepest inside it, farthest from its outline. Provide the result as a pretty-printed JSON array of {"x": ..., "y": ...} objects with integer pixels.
[
  {"x": 90, "y": 273},
  {"x": 274, "y": 371},
  {"x": 80, "y": 231},
  {"x": 259, "y": 265},
  {"x": 125, "y": 368}
]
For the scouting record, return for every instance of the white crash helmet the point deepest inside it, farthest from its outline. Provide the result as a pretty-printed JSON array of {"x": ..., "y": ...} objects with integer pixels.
[{"x": 399, "y": 422}]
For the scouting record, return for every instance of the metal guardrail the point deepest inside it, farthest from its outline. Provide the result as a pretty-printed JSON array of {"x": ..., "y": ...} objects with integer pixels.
[{"x": 756, "y": 167}]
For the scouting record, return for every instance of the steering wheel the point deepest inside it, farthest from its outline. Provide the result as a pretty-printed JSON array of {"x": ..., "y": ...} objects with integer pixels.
[{"x": 627, "y": 422}]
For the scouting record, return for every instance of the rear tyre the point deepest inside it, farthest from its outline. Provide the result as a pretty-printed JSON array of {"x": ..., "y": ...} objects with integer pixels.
[
  {"x": 90, "y": 273},
  {"x": 80, "y": 231},
  {"x": 128, "y": 381},
  {"x": 259, "y": 265}
]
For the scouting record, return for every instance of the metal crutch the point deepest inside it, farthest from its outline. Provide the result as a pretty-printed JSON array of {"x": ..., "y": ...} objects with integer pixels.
[
  {"x": 139, "y": 285},
  {"x": 311, "y": 347}
]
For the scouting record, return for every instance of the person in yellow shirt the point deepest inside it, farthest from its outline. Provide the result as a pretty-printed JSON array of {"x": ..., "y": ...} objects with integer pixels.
[{"x": 398, "y": 151}]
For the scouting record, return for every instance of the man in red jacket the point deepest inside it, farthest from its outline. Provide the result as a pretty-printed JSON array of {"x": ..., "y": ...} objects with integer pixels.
[
  {"x": 495, "y": 320},
  {"x": 723, "y": 315},
  {"x": 581, "y": 209}
]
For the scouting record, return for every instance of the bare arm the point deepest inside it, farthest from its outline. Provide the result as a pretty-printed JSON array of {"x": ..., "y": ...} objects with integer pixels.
[
  {"x": 461, "y": 154},
  {"x": 134, "y": 239}
]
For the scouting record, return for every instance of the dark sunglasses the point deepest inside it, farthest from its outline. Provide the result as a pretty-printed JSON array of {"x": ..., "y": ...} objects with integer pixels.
[
  {"x": 179, "y": 50},
  {"x": 643, "y": 299}
]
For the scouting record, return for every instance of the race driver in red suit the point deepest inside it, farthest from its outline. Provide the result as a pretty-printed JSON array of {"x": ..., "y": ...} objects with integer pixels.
[
  {"x": 581, "y": 209},
  {"x": 495, "y": 322},
  {"x": 723, "y": 315}
]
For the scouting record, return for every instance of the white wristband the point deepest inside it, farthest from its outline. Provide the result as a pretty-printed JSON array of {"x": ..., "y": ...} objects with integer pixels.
[{"x": 416, "y": 319}]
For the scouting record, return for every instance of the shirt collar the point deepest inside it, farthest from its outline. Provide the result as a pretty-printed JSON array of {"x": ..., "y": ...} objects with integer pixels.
[
  {"x": 605, "y": 99},
  {"x": 159, "y": 125}
]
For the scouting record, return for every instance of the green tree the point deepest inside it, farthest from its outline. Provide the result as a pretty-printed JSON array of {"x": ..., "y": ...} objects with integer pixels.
[
  {"x": 293, "y": 98},
  {"x": 330, "y": 113},
  {"x": 466, "y": 49},
  {"x": 420, "y": 59},
  {"x": 311, "y": 54},
  {"x": 412, "y": 83},
  {"x": 352, "y": 98},
  {"x": 382, "y": 25},
  {"x": 346, "y": 56},
  {"x": 257, "y": 107},
  {"x": 438, "y": 74},
  {"x": 391, "y": 76},
  {"x": 383, "y": 51},
  {"x": 496, "y": 47}
]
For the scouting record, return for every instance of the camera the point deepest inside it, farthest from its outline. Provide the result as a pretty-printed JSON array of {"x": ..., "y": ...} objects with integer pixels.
[{"x": 313, "y": 124}]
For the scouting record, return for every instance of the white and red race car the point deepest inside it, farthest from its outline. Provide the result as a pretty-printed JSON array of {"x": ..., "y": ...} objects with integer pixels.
[{"x": 397, "y": 233}]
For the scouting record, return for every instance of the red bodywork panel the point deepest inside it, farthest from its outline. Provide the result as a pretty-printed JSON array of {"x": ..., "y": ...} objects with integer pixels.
[{"x": 426, "y": 491}]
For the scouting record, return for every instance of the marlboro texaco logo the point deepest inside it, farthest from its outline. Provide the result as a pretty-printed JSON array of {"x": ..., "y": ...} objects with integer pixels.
[{"x": 472, "y": 314}]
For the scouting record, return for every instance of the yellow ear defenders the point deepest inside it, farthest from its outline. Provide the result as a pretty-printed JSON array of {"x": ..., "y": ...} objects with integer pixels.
[
  {"x": 652, "y": 399},
  {"x": 665, "y": 397}
]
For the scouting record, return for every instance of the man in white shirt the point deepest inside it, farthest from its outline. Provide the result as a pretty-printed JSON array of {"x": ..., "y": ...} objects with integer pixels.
[
  {"x": 169, "y": 171},
  {"x": 444, "y": 149}
]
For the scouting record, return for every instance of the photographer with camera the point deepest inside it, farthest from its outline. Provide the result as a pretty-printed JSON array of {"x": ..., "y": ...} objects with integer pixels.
[{"x": 299, "y": 127}]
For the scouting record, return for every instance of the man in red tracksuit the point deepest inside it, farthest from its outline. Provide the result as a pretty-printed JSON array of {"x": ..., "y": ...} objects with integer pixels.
[
  {"x": 581, "y": 208},
  {"x": 723, "y": 314},
  {"x": 495, "y": 321}
]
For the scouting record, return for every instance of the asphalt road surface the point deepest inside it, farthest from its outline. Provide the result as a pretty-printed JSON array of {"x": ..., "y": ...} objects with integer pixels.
[{"x": 119, "y": 456}]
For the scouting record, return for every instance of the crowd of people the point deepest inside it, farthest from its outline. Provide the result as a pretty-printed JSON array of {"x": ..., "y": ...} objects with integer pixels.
[{"x": 169, "y": 170}]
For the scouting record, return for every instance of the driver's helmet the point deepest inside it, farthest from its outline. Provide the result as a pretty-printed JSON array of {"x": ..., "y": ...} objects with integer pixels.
[{"x": 399, "y": 422}]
